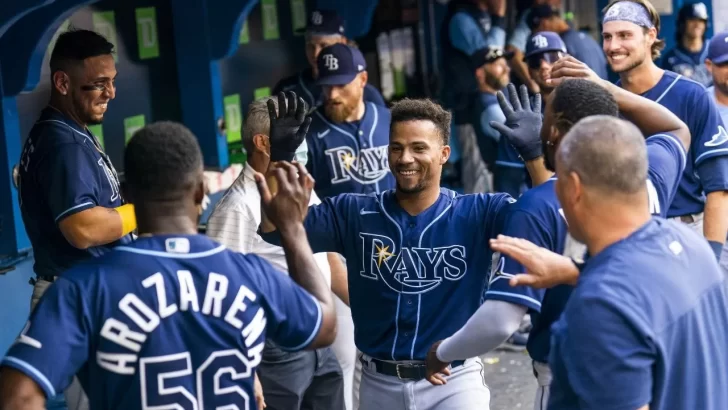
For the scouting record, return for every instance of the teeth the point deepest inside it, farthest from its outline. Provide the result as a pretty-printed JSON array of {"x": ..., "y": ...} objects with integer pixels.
[
  {"x": 618, "y": 56},
  {"x": 407, "y": 173}
]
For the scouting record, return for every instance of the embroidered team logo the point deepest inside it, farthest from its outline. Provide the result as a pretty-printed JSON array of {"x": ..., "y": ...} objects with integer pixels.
[
  {"x": 331, "y": 62},
  {"x": 113, "y": 182},
  {"x": 317, "y": 18},
  {"x": 540, "y": 41},
  {"x": 369, "y": 167},
  {"x": 497, "y": 271},
  {"x": 718, "y": 139},
  {"x": 410, "y": 270}
]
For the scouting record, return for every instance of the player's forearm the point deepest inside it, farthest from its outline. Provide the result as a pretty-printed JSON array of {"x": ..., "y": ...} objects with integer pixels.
[
  {"x": 339, "y": 280},
  {"x": 304, "y": 270},
  {"x": 19, "y": 392},
  {"x": 96, "y": 226},
  {"x": 520, "y": 69},
  {"x": 490, "y": 326},
  {"x": 650, "y": 117},
  {"x": 538, "y": 172},
  {"x": 715, "y": 222}
]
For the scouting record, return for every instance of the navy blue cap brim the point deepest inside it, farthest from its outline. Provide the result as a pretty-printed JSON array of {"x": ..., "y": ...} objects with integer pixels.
[
  {"x": 339, "y": 79},
  {"x": 543, "y": 50},
  {"x": 720, "y": 59}
]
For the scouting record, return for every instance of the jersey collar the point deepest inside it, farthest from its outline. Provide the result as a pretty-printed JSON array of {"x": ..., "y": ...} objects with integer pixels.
[{"x": 173, "y": 246}]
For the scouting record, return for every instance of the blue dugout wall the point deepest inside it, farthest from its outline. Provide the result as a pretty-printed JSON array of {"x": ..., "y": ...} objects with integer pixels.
[{"x": 194, "y": 61}]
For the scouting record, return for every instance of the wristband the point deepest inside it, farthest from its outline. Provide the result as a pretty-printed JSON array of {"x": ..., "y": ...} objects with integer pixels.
[
  {"x": 278, "y": 155},
  {"x": 717, "y": 248},
  {"x": 128, "y": 218}
]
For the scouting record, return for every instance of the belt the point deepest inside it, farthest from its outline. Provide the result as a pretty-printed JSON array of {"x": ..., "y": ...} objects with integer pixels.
[
  {"x": 403, "y": 371},
  {"x": 47, "y": 278}
]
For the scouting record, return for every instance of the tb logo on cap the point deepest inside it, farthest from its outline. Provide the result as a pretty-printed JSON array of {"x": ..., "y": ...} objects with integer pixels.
[
  {"x": 317, "y": 18},
  {"x": 331, "y": 62},
  {"x": 540, "y": 41}
]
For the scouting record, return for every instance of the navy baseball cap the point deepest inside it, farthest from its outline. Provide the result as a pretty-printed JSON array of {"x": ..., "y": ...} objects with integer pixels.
[
  {"x": 543, "y": 42},
  {"x": 540, "y": 13},
  {"x": 488, "y": 55},
  {"x": 693, "y": 11},
  {"x": 339, "y": 64},
  {"x": 324, "y": 23},
  {"x": 718, "y": 48}
]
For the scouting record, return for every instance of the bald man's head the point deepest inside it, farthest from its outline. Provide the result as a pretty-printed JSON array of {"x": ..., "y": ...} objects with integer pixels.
[{"x": 607, "y": 153}]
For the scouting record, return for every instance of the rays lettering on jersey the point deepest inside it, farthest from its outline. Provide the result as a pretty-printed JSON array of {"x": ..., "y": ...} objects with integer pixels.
[
  {"x": 369, "y": 167},
  {"x": 146, "y": 319},
  {"x": 113, "y": 182},
  {"x": 410, "y": 270}
]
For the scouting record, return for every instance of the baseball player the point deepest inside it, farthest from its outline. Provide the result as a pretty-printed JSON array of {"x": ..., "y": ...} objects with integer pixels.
[
  {"x": 630, "y": 29},
  {"x": 538, "y": 217},
  {"x": 174, "y": 320},
  {"x": 407, "y": 264},
  {"x": 325, "y": 28},
  {"x": 643, "y": 328},
  {"x": 688, "y": 56},
  {"x": 347, "y": 141}
]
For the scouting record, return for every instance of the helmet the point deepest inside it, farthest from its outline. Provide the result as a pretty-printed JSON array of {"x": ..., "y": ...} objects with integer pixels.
[{"x": 690, "y": 11}]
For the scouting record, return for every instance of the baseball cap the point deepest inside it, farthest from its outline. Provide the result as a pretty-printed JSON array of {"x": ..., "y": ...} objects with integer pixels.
[
  {"x": 718, "y": 48},
  {"x": 488, "y": 55},
  {"x": 694, "y": 10},
  {"x": 339, "y": 64},
  {"x": 543, "y": 42},
  {"x": 324, "y": 23},
  {"x": 539, "y": 13}
]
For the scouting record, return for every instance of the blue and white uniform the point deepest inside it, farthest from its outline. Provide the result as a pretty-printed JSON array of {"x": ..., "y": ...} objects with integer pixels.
[
  {"x": 688, "y": 64},
  {"x": 168, "y": 321},
  {"x": 660, "y": 302},
  {"x": 350, "y": 157}
]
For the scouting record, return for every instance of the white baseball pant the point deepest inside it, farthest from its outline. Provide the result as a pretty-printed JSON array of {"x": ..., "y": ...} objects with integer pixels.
[
  {"x": 465, "y": 390},
  {"x": 543, "y": 377},
  {"x": 346, "y": 353}
]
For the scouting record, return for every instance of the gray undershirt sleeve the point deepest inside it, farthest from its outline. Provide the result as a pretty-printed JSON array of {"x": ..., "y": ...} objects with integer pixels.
[{"x": 490, "y": 326}]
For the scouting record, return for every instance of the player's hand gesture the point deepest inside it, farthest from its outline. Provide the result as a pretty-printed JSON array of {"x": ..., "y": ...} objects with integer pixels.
[
  {"x": 287, "y": 207},
  {"x": 436, "y": 370},
  {"x": 523, "y": 121},
  {"x": 288, "y": 126},
  {"x": 544, "y": 269},
  {"x": 569, "y": 67}
]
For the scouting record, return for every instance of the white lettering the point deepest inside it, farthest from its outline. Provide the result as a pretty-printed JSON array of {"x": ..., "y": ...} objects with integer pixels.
[
  {"x": 119, "y": 333},
  {"x": 214, "y": 295},
  {"x": 239, "y": 306},
  {"x": 187, "y": 291},
  {"x": 25, "y": 339},
  {"x": 147, "y": 323},
  {"x": 118, "y": 363},
  {"x": 157, "y": 280},
  {"x": 255, "y": 328},
  {"x": 255, "y": 354}
]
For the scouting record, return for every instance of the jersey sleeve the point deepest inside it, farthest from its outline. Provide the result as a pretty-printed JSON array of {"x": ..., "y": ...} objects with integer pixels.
[
  {"x": 465, "y": 35},
  {"x": 666, "y": 163},
  {"x": 293, "y": 316},
  {"x": 497, "y": 211},
  {"x": 373, "y": 95},
  {"x": 710, "y": 138},
  {"x": 713, "y": 174},
  {"x": 518, "y": 224},
  {"x": 70, "y": 179},
  {"x": 491, "y": 113},
  {"x": 521, "y": 33},
  {"x": 323, "y": 226},
  {"x": 608, "y": 358},
  {"x": 53, "y": 346}
]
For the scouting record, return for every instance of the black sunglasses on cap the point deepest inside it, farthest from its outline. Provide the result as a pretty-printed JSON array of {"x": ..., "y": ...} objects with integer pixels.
[{"x": 549, "y": 57}]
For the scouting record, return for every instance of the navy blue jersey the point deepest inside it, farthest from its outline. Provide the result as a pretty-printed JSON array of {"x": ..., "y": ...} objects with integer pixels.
[
  {"x": 413, "y": 280},
  {"x": 645, "y": 325},
  {"x": 350, "y": 157},
  {"x": 689, "y": 64},
  {"x": 689, "y": 102},
  {"x": 63, "y": 171},
  {"x": 585, "y": 49},
  {"x": 537, "y": 217},
  {"x": 304, "y": 85},
  {"x": 169, "y": 321}
]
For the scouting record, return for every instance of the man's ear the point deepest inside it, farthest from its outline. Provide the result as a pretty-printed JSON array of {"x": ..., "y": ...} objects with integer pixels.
[
  {"x": 364, "y": 78},
  {"x": 61, "y": 82},
  {"x": 262, "y": 143},
  {"x": 445, "y": 154},
  {"x": 709, "y": 65},
  {"x": 200, "y": 192}
]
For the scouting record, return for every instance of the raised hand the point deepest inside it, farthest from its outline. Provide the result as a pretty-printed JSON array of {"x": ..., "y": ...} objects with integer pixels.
[
  {"x": 569, "y": 67},
  {"x": 287, "y": 207},
  {"x": 435, "y": 369},
  {"x": 288, "y": 126},
  {"x": 523, "y": 123},
  {"x": 544, "y": 269}
]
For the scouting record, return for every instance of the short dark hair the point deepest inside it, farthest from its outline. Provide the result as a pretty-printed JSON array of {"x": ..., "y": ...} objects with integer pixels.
[
  {"x": 162, "y": 161},
  {"x": 410, "y": 109},
  {"x": 74, "y": 46},
  {"x": 577, "y": 98}
]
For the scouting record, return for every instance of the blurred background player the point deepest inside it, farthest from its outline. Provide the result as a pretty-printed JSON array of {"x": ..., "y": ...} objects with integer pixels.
[
  {"x": 289, "y": 380},
  {"x": 717, "y": 64},
  {"x": 173, "y": 304},
  {"x": 638, "y": 331},
  {"x": 630, "y": 30},
  {"x": 578, "y": 44},
  {"x": 348, "y": 138},
  {"x": 69, "y": 192},
  {"x": 325, "y": 28},
  {"x": 537, "y": 217},
  {"x": 687, "y": 58}
]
